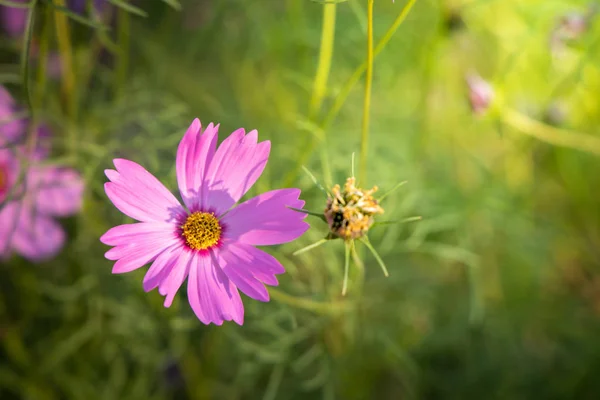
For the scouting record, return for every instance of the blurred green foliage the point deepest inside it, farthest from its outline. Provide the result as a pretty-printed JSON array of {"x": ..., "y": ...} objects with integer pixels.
[{"x": 494, "y": 294}]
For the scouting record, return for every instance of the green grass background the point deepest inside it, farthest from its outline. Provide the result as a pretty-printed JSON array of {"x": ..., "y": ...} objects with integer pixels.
[{"x": 494, "y": 294}]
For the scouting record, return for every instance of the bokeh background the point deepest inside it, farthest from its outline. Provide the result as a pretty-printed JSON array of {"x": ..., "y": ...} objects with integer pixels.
[{"x": 495, "y": 293}]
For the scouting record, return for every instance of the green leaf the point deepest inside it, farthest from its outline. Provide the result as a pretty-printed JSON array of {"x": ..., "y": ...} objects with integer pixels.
[
  {"x": 313, "y": 213},
  {"x": 346, "y": 267},
  {"x": 392, "y": 190},
  {"x": 174, "y": 4},
  {"x": 367, "y": 243},
  {"x": 316, "y": 182},
  {"x": 310, "y": 247},
  {"x": 129, "y": 8},
  {"x": 78, "y": 18}
]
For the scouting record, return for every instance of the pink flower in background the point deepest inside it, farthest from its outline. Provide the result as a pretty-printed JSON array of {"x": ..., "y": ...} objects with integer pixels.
[
  {"x": 14, "y": 19},
  {"x": 27, "y": 224},
  {"x": 204, "y": 240},
  {"x": 11, "y": 126},
  {"x": 28, "y": 205},
  {"x": 481, "y": 93}
]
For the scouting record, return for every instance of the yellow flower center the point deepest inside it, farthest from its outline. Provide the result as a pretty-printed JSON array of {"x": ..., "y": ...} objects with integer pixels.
[{"x": 201, "y": 230}]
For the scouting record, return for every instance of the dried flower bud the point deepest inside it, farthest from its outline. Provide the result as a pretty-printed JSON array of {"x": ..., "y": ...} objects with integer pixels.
[
  {"x": 350, "y": 211},
  {"x": 481, "y": 93}
]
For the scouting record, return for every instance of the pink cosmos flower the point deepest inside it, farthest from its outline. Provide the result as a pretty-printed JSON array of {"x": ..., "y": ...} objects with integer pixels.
[
  {"x": 27, "y": 225},
  {"x": 28, "y": 205},
  {"x": 204, "y": 240}
]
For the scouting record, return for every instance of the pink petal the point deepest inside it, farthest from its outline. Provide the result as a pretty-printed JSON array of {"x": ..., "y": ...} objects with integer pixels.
[
  {"x": 12, "y": 128},
  {"x": 212, "y": 296},
  {"x": 173, "y": 281},
  {"x": 266, "y": 219},
  {"x": 8, "y": 225},
  {"x": 262, "y": 265},
  {"x": 9, "y": 169},
  {"x": 139, "y": 195},
  {"x": 58, "y": 191},
  {"x": 237, "y": 265},
  {"x": 37, "y": 236},
  {"x": 194, "y": 155},
  {"x": 237, "y": 164},
  {"x": 138, "y": 244},
  {"x": 162, "y": 267}
]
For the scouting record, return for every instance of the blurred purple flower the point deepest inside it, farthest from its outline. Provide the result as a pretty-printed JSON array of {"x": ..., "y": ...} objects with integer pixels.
[
  {"x": 571, "y": 27},
  {"x": 11, "y": 126},
  {"x": 481, "y": 93},
  {"x": 80, "y": 6},
  {"x": 14, "y": 19},
  {"x": 28, "y": 205}
]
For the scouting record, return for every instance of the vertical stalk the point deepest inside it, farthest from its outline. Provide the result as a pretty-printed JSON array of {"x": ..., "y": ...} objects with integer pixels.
[
  {"x": 324, "y": 63},
  {"x": 345, "y": 91},
  {"x": 124, "y": 32},
  {"x": 65, "y": 49},
  {"x": 364, "y": 135},
  {"x": 320, "y": 82}
]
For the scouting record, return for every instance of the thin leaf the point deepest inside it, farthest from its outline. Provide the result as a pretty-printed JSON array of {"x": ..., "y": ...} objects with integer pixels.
[
  {"x": 352, "y": 165},
  {"x": 78, "y": 18},
  {"x": 13, "y": 4},
  {"x": 174, "y": 4},
  {"x": 367, "y": 243},
  {"x": 129, "y": 8},
  {"x": 392, "y": 190},
  {"x": 315, "y": 181},
  {"x": 402, "y": 221},
  {"x": 346, "y": 267},
  {"x": 313, "y": 213},
  {"x": 329, "y": 1},
  {"x": 310, "y": 247}
]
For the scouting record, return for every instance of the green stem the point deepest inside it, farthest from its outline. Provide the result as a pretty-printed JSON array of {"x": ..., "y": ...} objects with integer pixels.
[
  {"x": 364, "y": 135},
  {"x": 43, "y": 60},
  {"x": 324, "y": 63},
  {"x": 310, "y": 247},
  {"x": 357, "y": 74},
  {"x": 124, "y": 35},
  {"x": 320, "y": 83},
  {"x": 549, "y": 134},
  {"x": 335, "y": 307},
  {"x": 346, "y": 89},
  {"x": 68, "y": 74},
  {"x": 346, "y": 267}
]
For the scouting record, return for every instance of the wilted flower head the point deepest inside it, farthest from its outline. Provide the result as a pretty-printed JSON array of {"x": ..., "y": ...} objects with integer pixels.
[
  {"x": 349, "y": 212},
  {"x": 209, "y": 239},
  {"x": 481, "y": 93}
]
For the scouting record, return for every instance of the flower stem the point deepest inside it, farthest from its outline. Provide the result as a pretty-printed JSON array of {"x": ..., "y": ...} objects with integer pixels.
[
  {"x": 549, "y": 134},
  {"x": 309, "y": 247},
  {"x": 334, "y": 307},
  {"x": 346, "y": 267},
  {"x": 42, "y": 72},
  {"x": 346, "y": 89},
  {"x": 124, "y": 33},
  {"x": 364, "y": 135},
  {"x": 68, "y": 74},
  {"x": 324, "y": 63}
]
